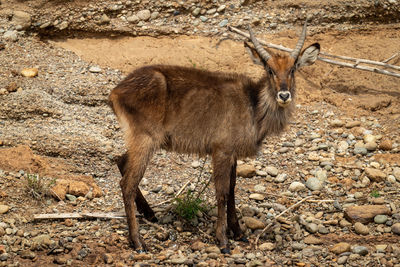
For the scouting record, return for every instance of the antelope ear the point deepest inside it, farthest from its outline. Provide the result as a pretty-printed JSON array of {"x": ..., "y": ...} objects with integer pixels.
[{"x": 308, "y": 56}]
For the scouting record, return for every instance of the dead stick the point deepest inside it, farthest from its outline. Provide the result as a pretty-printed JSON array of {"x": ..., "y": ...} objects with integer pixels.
[
  {"x": 330, "y": 61},
  {"x": 392, "y": 57},
  {"x": 279, "y": 215}
]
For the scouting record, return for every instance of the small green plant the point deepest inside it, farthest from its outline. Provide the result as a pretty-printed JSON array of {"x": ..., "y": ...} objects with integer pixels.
[
  {"x": 37, "y": 186},
  {"x": 375, "y": 193},
  {"x": 191, "y": 62},
  {"x": 188, "y": 206}
]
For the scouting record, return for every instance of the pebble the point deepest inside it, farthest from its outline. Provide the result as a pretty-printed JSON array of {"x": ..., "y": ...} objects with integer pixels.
[
  {"x": 312, "y": 240},
  {"x": 396, "y": 228},
  {"x": 360, "y": 250},
  {"x": 253, "y": 223},
  {"x": 30, "y": 72},
  {"x": 336, "y": 123},
  {"x": 281, "y": 178},
  {"x": 380, "y": 219},
  {"x": 246, "y": 170},
  {"x": 4, "y": 209},
  {"x": 22, "y": 19},
  {"x": 340, "y": 248},
  {"x": 223, "y": 23},
  {"x": 203, "y": 18},
  {"x": 257, "y": 196},
  {"x": 296, "y": 187},
  {"x": 27, "y": 254},
  {"x": 386, "y": 145},
  {"x": 342, "y": 259},
  {"x": 375, "y": 175},
  {"x": 312, "y": 228},
  {"x": 144, "y": 15},
  {"x": 133, "y": 19},
  {"x": 361, "y": 229},
  {"x": 314, "y": 184},
  {"x": 11, "y": 36},
  {"x": 352, "y": 124},
  {"x": 396, "y": 173},
  {"x": 271, "y": 170},
  {"x": 360, "y": 150},
  {"x": 267, "y": 246},
  {"x": 213, "y": 249},
  {"x": 95, "y": 69},
  {"x": 104, "y": 19}
]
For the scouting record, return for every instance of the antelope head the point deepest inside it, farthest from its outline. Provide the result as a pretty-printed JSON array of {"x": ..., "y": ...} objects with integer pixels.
[{"x": 280, "y": 69}]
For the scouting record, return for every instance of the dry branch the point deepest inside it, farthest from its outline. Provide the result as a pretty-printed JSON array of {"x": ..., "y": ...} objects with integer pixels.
[
  {"x": 83, "y": 215},
  {"x": 354, "y": 65}
]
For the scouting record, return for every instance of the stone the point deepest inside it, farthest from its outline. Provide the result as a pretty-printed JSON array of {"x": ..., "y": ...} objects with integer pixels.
[
  {"x": 12, "y": 87},
  {"x": 396, "y": 228},
  {"x": 342, "y": 146},
  {"x": 4, "y": 209},
  {"x": 352, "y": 124},
  {"x": 27, "y": 254},
  {"x": 104, "y": 19},
  {"x": 63, "y": 25},
  {"x": 2, "y": 231},
  {"x": 312, "y": 227},
  {"x": 144, "y": 14},
  {"x": 360, "y": 250},
  {"x": 381, "y": 248},
  {"x": 30, "y": 72},
  {"x": 360, "y": 151},
  {"x": 268, "y": 246},
  {"x": 314, "y": 184},
  {"x": 246, "y": 171},
  {"x": 342, "y": 260},
  {"x": 312, "y": 240},
  {"x": 257, "y": 196},
  {"x": 340, "y": 248},
  {"x": 95, "y": 69},
  {"x": 259, "y": 188},
  {"x": 253, "y": 223},
  {"x": 365, "y": 213},
  {"x": 78, "y": 188},
  {"x": 196, "y": 11},
  {"x": 11, "y": 36},
  {"x": 271, "y": 170},
  {"x": 213, "y": 249},
  {"x": 281, "y": 178},
  {"x": 40, "y": 242},
  {"x": 61, "y": 259},
  {"x": 247, "y": 211},
  {"x": 22, "y": 19},
  {"x": 371, "y": 146},
  {"x": 380, "y": 219},
  {"x": 197, "y": 246},
  {"x": 361, "y": 229},
  {"x": 396, "y": 173},
  {"x": 386, "y": 145},
  {"x": 369, "y": 138},
  {"x": 296, "y": 187},
  {"x": 108, "y": 258},
  {"x": 223, "y": 23},
  {"x": 336, "y": 123},
  {"x": 133, "y": 19},
  {"x": 375, "y": 175}
]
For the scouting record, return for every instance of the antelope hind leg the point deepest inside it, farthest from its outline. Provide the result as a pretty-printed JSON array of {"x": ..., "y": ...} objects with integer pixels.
[
  {"x": 139, "y": 153},
  {"x": 141, "y": 204}
]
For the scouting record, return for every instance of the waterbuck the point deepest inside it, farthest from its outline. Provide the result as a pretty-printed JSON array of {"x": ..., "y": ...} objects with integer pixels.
[{"x": 194, "y": 111}]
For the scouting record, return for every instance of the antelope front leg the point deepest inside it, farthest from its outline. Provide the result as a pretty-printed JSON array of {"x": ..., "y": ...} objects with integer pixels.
[
  {"x": 233, "y": 222},
  {"x": 221, "y": 167}
]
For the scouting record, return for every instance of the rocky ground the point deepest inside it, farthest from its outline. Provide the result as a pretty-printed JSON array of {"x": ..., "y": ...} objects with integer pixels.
[{"x": 341, "y": 150}]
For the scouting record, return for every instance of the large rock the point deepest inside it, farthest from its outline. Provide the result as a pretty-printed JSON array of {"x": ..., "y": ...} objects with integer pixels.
[
  {"x": 80, "y": 186},
  {"x": 246, "y": 170},
  {"x": 21, "y": 18},
  {"x": 365, "y": 213},
  {"x": 340, "y": 248},
  {"x": 375, "y": 175},
  {"x": 253, "y": 223}
]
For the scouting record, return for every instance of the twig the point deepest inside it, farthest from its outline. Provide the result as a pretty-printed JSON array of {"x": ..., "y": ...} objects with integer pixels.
[
  {"x": 279, "y": 215},
  {"x": 392, "y": 57},
  {"x": 83, "y": 215},
  {"x": 330, "y": 61}
]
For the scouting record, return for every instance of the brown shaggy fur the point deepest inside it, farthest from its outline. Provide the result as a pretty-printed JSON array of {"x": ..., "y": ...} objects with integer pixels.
[{"x": 194, "y": 111}]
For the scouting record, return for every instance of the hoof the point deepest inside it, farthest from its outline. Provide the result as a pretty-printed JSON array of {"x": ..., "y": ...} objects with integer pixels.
[
  {"x": 152, "y": 219},
  {"x": 141, "y": 251},
  {"x": 226, "y": 250}
]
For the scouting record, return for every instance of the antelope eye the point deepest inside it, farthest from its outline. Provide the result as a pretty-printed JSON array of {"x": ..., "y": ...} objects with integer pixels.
[{"x": 271, "y": 72}]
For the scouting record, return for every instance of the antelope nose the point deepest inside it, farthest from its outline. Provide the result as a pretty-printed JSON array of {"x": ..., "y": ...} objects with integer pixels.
[{"x": 284, "y": 95}]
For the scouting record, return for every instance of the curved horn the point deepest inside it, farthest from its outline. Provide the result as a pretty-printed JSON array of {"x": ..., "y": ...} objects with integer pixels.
[
  {"x": 300, "y": 43},
  {"x": 260, "y": 50}
]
